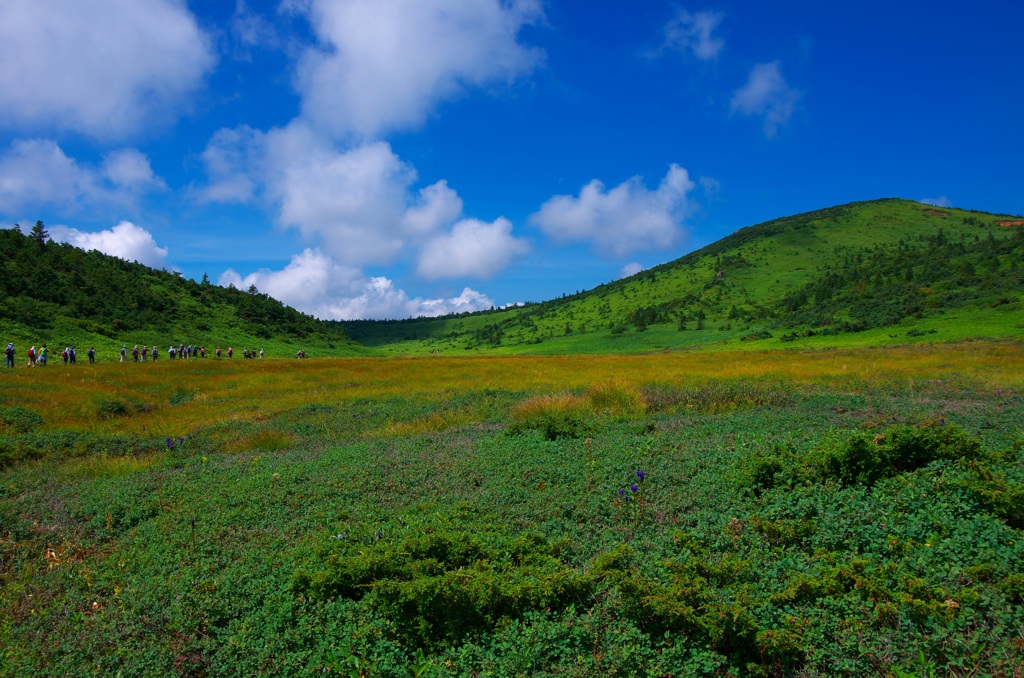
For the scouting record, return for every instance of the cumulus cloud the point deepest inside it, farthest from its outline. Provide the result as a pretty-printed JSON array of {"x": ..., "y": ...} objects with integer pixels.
[
  {"x": 106, "y": 68},
  {"x": 688, "y": 32},
  {"x": 356, "y": 204},
  {"x": 384, "y": 64},
  {"x": 627, "y": 218},
  {"x": 314, "y": 283},
  {"x": 125, "y": 241},
  {"x": 630, "y": 269},
  {"x": 351, "y": 202},
  {"x": 35, "y": 171},
  {"x": 437, "y": 207},
  {"x": 472, "y": 248},
  {"x": 766, "y": 93},
  {"x": 941, "y": 201}
]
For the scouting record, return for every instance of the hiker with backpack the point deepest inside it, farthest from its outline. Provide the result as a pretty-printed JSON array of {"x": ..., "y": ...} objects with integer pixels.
[{"x": 9, "y": 355}]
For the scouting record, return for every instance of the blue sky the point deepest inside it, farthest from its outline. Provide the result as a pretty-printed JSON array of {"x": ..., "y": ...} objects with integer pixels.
[{"x": 389, "y": 158}]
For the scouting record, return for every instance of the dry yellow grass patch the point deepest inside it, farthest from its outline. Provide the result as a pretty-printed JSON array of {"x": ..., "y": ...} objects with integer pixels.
[
  {"x": 435, "y": 423},
  {"x": 66, "y": 397}
]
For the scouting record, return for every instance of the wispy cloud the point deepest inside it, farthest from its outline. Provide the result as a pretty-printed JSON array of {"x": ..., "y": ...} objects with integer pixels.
[
  {"x": 766, "y": 93},
  {"x": 692, "y": 32},
  {"x": 941, "y": 201},
  {"x": 37, "y": 171}
]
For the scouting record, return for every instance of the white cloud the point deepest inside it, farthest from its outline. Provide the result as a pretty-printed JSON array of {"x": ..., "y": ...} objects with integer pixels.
[
  {"x": 356, "y": 204},
  {"x": 941, "y": 201},
  {"x": 630, "y": 269},
  {"x": 104, "y": 67},
  {"x": 766, "y": 93},
  {"x": 438, "y": 206},
  {"x": 314, "y": 283},
  {"x": 233, "y": 159},
  {"x": 472, "y": 248},
  {"x": 37, "y": 171},
  {"x": 385, "y": 64},
  {"x": 351, "y": 202},
  {"x": 692, "y": 32},
  {"x": 126, "y": 241},
  {"x": 625, "y": 219}
]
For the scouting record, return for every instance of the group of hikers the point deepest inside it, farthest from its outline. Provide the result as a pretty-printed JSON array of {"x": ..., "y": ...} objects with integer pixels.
[
  {"x": 181, "y": 352},
  {"x": 41, "y": 356}
]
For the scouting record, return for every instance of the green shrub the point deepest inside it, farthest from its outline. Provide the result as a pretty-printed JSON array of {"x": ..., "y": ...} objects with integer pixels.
[
  {"x": 864, "y": 458},
  {"x": 441, "y": 584},
  {"x": 18, "y": 419}
]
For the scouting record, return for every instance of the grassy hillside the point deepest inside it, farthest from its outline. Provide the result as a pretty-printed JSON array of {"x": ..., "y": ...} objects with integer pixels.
[
  {"x": 870, "y": 273},
  {"x": 59, "y": 295}
]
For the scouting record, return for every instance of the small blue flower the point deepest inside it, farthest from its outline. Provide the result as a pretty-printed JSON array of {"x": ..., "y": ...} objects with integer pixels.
[
  {"x": 635, "y": 488},
  {"x": 628, "y": 498},
  {"x": 622, "y": 492},
  {"x": 640, "y": 475}
]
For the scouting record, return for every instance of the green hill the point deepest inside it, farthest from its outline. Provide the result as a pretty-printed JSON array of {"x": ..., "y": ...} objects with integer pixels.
[
  {"x": 880, "y": 272},
  {"x": 60, "y": 295}
]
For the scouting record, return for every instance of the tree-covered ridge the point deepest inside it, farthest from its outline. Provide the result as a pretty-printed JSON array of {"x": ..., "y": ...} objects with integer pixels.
[
  {"x": 842, "y": 269},
  {"x": 49, "y": 286}
]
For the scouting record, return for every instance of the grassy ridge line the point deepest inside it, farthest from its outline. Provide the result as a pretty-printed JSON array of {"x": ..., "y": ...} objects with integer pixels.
[{"x": 187, "y": 396}]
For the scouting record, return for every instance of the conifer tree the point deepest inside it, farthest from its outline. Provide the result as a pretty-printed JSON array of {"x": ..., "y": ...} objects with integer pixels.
[{"x": 39, "y": 233}]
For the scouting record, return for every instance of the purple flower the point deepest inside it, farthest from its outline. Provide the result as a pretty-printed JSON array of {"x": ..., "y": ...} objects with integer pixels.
[
  {"x": 180, "y": 439},
  {"x": 635, "y": 488},
  {"x": 628, "y": 497},
  {"x": 640, "y": 475},
  {"x": 621, "y": 491}
]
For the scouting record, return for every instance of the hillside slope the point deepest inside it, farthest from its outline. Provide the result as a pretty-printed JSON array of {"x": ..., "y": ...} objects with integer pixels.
[
  {"x": 60, "y": 295},
  {"x": 885, "y": 271}
]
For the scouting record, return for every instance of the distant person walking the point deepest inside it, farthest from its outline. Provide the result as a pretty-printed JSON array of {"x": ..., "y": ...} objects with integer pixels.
[
  {"x": 31, "y": 356},
  {"x": 124, "y": 353},
  {"x": 72, "y": 355},
  {"x": 230, "y": 352},
  {"x": 261, "y": 354},
  {"x": 43, "y": 356},
  {"x": 92, "y": 355},
  {"x": 9, "y": 355}
]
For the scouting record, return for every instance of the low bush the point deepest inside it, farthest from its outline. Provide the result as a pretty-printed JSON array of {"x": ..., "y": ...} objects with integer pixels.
[
  {"x": 18, "y": 419},
  {"x": 555, "y": 416},
  {"x": 442, "y": 583}
]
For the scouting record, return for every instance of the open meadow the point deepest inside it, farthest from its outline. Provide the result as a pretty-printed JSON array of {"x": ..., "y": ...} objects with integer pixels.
[{"x": 834, "y": 512}]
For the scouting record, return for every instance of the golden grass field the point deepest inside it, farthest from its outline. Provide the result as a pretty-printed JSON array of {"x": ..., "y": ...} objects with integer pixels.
[{"x": 219, "y": 390}]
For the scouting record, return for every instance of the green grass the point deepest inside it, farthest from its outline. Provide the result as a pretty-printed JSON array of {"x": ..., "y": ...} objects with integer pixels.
[{"x": 784, "y": 525}]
